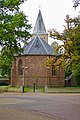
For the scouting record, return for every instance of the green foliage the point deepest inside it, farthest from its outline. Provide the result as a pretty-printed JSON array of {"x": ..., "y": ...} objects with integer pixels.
[
  {"x": 13, "y": 25},
  {"x": 68, "y": 72},
  {"x": 76, "y": 67},
  {"x": 14, "y": 29},
  {"x": 71, "y": 42},
  {"x": 28, "y": 89},
  {"x": 54, "y": 45},
  {"x": 5, "y": 64},
  {"x": 49, "y": 62}
]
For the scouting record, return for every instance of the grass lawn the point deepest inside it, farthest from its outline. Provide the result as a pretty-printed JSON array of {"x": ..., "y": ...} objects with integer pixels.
[
  {"x": 40, "y": 89},
  {"x": 64, "y": 90}
]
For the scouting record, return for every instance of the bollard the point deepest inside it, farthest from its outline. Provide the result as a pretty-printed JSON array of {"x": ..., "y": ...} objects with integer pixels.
[
  {"x": 34, "y": 86},
  {"x": 46, "y": 89},
  {"x": 22, "y": 89}
]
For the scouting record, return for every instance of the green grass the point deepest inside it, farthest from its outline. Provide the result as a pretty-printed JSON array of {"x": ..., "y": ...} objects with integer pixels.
[
  {"x": 40, "y": 89},
  {"x": 9, "y": 89},
  {"x": 28, "y": 89},
  {"x": 15, "y": 89},
  {"x": 64, "y": 90}
]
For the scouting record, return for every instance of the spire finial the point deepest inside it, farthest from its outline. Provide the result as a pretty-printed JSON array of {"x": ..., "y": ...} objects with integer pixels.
[{"x": 39, "y": 6}]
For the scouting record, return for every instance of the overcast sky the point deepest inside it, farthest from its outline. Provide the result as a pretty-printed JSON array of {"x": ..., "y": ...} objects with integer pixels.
[{"x": 53, "y": 12}]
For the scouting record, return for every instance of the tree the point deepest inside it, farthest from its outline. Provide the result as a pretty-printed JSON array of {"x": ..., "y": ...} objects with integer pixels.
[
  {"x": 5, "y": 66},
  {"x": 54, "y": 45},
  {"x": 76, "y": 3},
  {"x": 71, "y": 39},
  {"x": 14, "y": 29}
]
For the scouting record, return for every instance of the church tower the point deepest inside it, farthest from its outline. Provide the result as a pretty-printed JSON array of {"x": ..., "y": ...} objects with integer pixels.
[{"x": 39, "y": 28}]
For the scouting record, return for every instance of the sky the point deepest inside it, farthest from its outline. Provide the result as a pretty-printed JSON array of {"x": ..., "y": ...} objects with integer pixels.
[{"x": 53, "y": 12}]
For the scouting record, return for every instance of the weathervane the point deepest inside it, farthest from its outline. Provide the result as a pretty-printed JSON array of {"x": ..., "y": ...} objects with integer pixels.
[{"x": 76, "y": 3}]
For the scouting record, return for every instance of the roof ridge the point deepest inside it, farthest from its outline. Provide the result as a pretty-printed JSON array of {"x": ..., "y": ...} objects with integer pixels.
[
  {"x": 43, "y": 44},
  {"x": 31, "y": 44}
]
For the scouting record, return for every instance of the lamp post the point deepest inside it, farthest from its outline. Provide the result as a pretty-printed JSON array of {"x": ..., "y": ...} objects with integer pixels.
[
  {"x": 47, "y": 76},
  {"x": 23, "y": 79},
  {"x": 11, "y": 76},
  {"x": 24, "y": 68}
]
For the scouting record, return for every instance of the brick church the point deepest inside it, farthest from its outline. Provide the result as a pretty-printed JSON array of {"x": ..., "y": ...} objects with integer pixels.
[{"x": 30, "y": 67}]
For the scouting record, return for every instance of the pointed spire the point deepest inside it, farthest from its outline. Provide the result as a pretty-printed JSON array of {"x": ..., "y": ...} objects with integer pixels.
[{"x": 39, "y": 26}]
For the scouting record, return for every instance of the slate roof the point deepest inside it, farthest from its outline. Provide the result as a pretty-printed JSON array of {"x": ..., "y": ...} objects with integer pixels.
[
  {"x": 38, "y": 46},
  {"x": 39, "y": 27}
]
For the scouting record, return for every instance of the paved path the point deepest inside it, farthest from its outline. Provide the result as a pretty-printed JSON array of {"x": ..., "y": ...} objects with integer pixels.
[{"x": 39, "y": 106}]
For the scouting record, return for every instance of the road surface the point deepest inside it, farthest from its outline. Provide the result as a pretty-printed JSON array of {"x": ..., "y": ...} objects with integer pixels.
[{"x": 37, "y": 106}]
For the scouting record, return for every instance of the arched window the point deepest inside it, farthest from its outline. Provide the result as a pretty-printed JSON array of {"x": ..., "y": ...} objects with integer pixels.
[{"x": 20, "y": 67}]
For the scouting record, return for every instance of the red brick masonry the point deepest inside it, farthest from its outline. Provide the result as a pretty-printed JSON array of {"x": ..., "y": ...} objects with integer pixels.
[{"x": 35, "y": 72}]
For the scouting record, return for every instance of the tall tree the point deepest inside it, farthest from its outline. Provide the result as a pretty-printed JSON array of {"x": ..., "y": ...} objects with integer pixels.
[
  {"x": 14, "y": 29},
  {"x": 13, "y": 25},
  {"x": 71, "y": 39}
]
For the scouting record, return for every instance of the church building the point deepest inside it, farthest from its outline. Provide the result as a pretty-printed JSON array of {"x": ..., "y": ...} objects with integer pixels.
[{"x": 30, "y": 68}]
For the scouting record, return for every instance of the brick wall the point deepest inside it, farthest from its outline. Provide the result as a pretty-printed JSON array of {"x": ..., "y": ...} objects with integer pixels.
[{"x": 35, "y": 71}]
